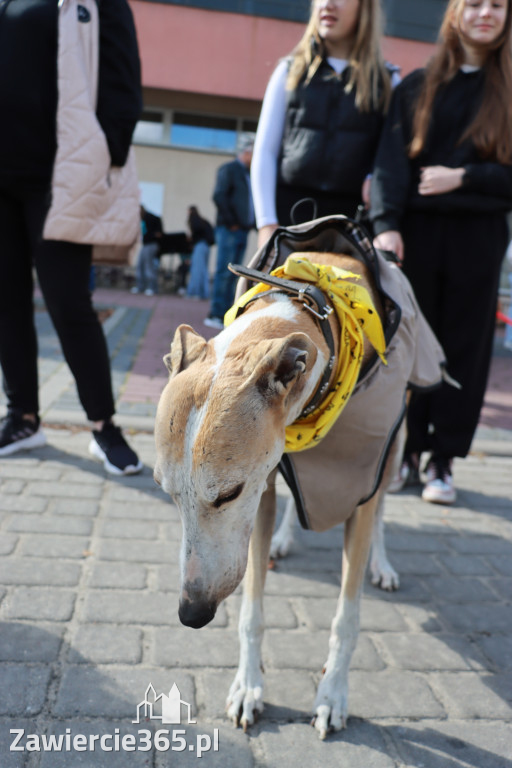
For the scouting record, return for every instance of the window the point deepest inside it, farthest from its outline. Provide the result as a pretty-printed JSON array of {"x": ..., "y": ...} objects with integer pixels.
[{"x": 203, "y": 132}]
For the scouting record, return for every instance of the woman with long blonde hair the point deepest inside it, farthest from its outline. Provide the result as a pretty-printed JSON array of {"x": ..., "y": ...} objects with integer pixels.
[
  {"x": 441, "y": 190},
  {"x": 321, "y": 117}
]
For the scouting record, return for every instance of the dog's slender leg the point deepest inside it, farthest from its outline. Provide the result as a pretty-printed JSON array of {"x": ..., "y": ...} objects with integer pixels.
[
  {"x": 246, "y": 693},
  {"x": 282, "y": 540},
  {"x": 382, "y": 573},
  {"x": 331, "y": 700}
]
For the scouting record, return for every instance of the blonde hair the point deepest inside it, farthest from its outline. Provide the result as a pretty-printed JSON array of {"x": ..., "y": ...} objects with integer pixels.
[
  {"x": 490, "y": 130},
  {"x": 369, "y": 75}
]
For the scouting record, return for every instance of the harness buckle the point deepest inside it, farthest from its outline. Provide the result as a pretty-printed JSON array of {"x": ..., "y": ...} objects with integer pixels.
[{"x": 327, "y": 310}]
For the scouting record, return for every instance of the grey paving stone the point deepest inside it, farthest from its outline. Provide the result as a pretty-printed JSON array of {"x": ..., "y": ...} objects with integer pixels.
[
  {"x": 138, "y": 551},
  {"x": 96, "y": 758},
  {"x": 7, "y": 543},
  {"x": 29, "y": 471},
  {"x": 375, "y": 615},
  {"x": 16, "y": 570},
  {"x": 359, "y": 746},
  {"x": 29, "y": 642},
  {"x": 118, "y": 576},
  {"x": 147, "y": 510},
  {"x": 279, "y": 613},
  {"x": 82, "y": 476},
  {"x": 53, "y": 545},
  {"x": 49, "y": 524},
  {"x": 106, "y": 644},
  {"x": 79, "y": 507},
  {"x": 12, "y": 486},
  {"x": 503, "y": 564},
  {"x": 412, "y": 589},
  {"x": 185, "y": 647},
  {"x": 300, "y": 585},
  {"x": 392, "y": 693},
  {"x": 300, "y": 650},
  {"x": 115, "y": 691},
  {"x": 466, "y": 565},
  {"x": 459, "y": 590},
  {"x": 452, "y": 744},
  {"x": 168, "y": 577},
  {"x": 60, "y": 490},
  {"x": 129, "y": 529},
  {"x": 11, "y": 759},
  {"x": 39, "y": 603},
  {"x": 23, "y": 689},
  {"x": 498, "y": 648},
  {"x": 307, "y": 560},
  {"x": 476, "y": 617},
  {"x": 417, "y": 563},
  {"x": 22, "y": 503},
  {"x": 468, "y": 695},
  {"x": 234, "y": 749},
  {"x": 421, "y": 618},
  {"x": 429, "y": 652},
  {"x": 502, "y": 587},
  {"x": 155, "y": 608},
  {"x": 415, "y": 542},
  {"x": 481, "y": 545}
]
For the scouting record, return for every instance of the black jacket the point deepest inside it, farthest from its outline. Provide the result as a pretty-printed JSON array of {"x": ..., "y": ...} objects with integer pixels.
[
  {"x": 153, "y": 230},
  {"x": 28, "y": 85},
  {"x": 328, "y": 143},
  {"x": 232, "y": 196},
  {"x": 487, "y": 185}
]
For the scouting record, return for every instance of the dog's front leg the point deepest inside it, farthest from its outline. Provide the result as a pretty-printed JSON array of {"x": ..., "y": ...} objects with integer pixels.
[
  {"x": 245, "y": 697},
  {"x": 331, "y": 700}
]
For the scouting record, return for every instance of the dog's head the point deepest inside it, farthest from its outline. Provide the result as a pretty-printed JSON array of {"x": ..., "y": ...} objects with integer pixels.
[{"x": 220, "y": 431}]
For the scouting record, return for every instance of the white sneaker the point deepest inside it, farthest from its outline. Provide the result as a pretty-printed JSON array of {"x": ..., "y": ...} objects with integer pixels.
[
  {"x": 214, "y": 322},
  {"x": 439, "y": 488},
  {"x": 408, "y": 474}
]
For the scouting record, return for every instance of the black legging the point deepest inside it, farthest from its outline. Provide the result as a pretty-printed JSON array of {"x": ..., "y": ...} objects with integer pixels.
[
  {"x": 63, "y": 273},
  {"x": 453, "y": 262}
]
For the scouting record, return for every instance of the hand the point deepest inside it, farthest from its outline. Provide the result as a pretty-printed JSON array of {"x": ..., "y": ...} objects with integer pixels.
[
  {"x": 438, "y": 180},
  {"x": 391, "y": 241},
  {"x": 234, "y": 228},
  {"x": 365, "y": 191},
  {"x": 265, "y": 232}
]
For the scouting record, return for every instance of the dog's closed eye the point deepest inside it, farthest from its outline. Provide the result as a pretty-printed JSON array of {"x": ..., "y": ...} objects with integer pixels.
[{"x": 227, "y": 497}]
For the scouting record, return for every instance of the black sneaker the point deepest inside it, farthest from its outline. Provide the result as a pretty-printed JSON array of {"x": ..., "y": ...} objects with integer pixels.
[
  {"x": 19, "y": 434},
  {"x": 109, "y": 445}
]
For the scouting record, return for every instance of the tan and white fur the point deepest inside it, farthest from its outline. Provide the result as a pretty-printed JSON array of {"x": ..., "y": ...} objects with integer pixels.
[{"x": 220, "y": 433}]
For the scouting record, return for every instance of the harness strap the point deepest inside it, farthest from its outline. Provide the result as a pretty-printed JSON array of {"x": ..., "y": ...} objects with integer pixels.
[{"x": 314, "y": 301}]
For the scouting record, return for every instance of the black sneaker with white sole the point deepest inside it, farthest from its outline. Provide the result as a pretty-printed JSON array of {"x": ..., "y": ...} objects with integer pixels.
[
  {"x": 109, "y": 445},
  {"x": 19, "y": 434}
]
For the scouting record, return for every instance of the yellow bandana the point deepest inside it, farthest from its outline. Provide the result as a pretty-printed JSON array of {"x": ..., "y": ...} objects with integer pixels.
[{"x": 356, "y": 312}]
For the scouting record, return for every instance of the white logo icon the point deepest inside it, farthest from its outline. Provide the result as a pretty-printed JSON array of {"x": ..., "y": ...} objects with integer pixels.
[{"x": 170, "y": 706}]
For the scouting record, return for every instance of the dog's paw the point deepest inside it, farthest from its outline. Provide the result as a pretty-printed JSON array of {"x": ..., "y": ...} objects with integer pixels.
[
  {"x": 245, "y": 701},
  {"x": 330, "y": 706},
  {"x": 281, "y": 544},
  {"x": 383, "y": 575}
]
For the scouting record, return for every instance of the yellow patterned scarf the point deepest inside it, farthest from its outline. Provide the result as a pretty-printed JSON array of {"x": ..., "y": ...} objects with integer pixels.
[{"x": 356, "y": 313}]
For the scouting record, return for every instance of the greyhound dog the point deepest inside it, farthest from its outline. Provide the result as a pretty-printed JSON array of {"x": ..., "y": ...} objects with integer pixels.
[{"x": 221, "y": 429}]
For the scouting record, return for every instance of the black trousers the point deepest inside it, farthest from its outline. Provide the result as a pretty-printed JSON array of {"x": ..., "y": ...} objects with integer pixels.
[
  {"x": 63, "y": 274},
  {"x": 453, "y": 262}
]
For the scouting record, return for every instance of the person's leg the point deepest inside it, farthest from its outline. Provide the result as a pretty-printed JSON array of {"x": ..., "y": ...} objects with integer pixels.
[
  {"x": 205, "y": 284},
  {"x": 139, "y": 273},
  {"x": 194, "y": 281},
  {"x": 18, "y": 340},
  {"x": 152, "y": 265},
  {"x": 508, "y": 329},
  {"x": 240, "y": 244},
  {"x": 472, "y": 255},
  {"x": 225, "y": 254}
]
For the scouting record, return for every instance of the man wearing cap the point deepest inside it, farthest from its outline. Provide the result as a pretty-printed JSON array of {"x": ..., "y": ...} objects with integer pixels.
[{"x": 235, "y": 217}]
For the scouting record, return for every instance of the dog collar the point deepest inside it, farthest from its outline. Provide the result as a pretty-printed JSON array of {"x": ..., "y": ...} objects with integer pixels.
[{"x": 354, "y": 309}]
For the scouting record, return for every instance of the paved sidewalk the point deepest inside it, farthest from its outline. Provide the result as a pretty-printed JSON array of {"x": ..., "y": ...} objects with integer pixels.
[{"x": 88, "y": 600}]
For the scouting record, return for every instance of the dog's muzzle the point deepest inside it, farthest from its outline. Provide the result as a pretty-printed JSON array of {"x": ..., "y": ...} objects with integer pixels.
[{"x": 196, "y": 615}]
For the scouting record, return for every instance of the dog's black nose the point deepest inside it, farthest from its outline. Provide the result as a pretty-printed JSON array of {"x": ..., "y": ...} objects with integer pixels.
[{"x": 196, "y": 615}]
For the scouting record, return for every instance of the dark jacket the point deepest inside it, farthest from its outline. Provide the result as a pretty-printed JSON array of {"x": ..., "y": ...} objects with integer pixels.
[
  {"x": 153, "y": 228},
  {"x": 487, "y": 185},
  {"x": 28, "y": 85},
  {"x": 328, "y": 143},
  {"x": 200, "y": 229},
  {"x": 232, "y": 196}
]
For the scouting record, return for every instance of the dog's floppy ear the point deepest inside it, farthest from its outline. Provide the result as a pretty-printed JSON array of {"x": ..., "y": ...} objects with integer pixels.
[
  {"x": 284, "y": 362},
  {"x": 186, "y": 347}
]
